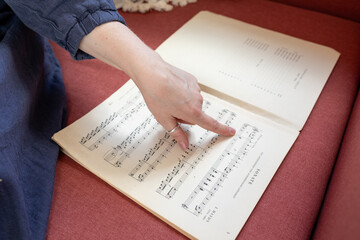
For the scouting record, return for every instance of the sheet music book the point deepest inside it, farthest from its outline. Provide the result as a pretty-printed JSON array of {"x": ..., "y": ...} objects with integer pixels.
[{"x": 262, "y": 83}]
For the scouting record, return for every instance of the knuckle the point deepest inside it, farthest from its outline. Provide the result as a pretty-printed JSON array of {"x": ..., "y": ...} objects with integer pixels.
[
  {"x": 176, "y": 135},
  {"x": 195, "y": 111},
  {"x": 216, "y": 125},
  {"x": 161, "y": 120}
]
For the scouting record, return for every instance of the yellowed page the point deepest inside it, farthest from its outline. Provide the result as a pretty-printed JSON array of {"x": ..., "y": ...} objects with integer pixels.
[
  {"x": 206, "y": 192},
  {"x": 279, "y": 74}
]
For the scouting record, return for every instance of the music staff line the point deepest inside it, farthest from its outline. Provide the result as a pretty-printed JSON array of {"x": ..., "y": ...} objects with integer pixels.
[
  {"x": 119, "y": 153},
  {"x": 150, "y": 160},
  {"x": 230, "y": 158},
  {"x": 185, "y": 166},
  {"x": 89, "y": 140}
]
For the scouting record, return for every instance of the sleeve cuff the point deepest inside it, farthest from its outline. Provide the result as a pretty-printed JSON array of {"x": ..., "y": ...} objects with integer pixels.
[{"x": 84, "y": 26}]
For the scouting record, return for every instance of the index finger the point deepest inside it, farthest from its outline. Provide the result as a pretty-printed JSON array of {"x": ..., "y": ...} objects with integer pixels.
[{"x": 211, "y": 124}]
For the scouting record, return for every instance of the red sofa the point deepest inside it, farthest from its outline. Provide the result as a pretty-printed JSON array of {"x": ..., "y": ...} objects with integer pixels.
[{"x": 314, "y": 194}]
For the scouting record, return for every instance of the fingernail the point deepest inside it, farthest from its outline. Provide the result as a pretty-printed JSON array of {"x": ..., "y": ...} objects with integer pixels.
[
  {"x": 183, "y": 146},
  {"x": 232, "y": 131}
]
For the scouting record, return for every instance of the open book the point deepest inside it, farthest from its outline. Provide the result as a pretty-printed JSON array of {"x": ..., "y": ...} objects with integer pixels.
[{"x": 262, "y": 83}]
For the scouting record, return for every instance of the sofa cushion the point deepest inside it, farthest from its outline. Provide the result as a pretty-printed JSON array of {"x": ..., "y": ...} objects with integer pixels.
[
  {"x": 86, "y": 207},
  {"x": 349, "y": 9},
  {"x": 340, "y": 214}
]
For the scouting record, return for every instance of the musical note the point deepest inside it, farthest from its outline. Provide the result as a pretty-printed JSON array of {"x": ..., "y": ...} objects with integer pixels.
[
  {"x": 118, "y": 154},
  {"x": 235, "y": 152},
  {"x": 151, "y": 160},
  {"x": 108, "y": 127},
  {"x": 187, "y": 163}
]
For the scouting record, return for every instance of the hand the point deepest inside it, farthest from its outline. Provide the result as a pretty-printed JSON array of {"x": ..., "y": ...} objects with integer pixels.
[{"x": 172, "y": 95}]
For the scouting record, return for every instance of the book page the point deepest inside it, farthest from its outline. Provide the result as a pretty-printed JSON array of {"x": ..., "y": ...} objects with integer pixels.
[
  {"x": 205, "y": 192},
  {"x": 279, "y": 74}
]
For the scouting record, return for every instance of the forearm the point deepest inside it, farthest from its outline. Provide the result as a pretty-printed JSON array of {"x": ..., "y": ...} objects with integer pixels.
[{"x": 116, "y": 45}]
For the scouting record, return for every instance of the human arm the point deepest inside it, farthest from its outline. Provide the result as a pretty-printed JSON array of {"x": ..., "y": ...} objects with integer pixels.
[{"x": 171, "y": 94}]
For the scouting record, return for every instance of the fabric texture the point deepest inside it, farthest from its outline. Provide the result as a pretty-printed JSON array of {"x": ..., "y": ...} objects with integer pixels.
[
  {"x": 33, "y": 103},
  {"x": 349, "y": 9},
  {"x": 340, "y": 214},
  {"x": 65, "y": 22}
]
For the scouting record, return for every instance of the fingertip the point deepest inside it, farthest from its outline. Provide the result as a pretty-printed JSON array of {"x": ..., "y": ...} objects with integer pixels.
[
  {"x": 227, "y": 131},
  {"x": 183, "y": 145},
  {"x": 232, "y": 131},
  {"x": 180, "y": 136},
  {"x": 184, "y": 142}
]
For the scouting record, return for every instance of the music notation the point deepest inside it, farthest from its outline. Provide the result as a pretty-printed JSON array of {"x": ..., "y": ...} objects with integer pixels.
[
  {"x": 187, "y": 163},
  {"x": 158, "y": 152},
  {"x": 235, "y": 152},
  {"x": 108, "y": 127},
  {"x": 149, "y": 163},
  {"x": 116, "y": 155}
]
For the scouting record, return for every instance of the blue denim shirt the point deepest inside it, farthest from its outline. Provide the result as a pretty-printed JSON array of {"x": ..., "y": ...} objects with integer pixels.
[{"x": 33, "y": 103}]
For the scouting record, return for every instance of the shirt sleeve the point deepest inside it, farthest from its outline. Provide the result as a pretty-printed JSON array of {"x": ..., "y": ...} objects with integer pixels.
[{"x": 65, "y": 22}]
